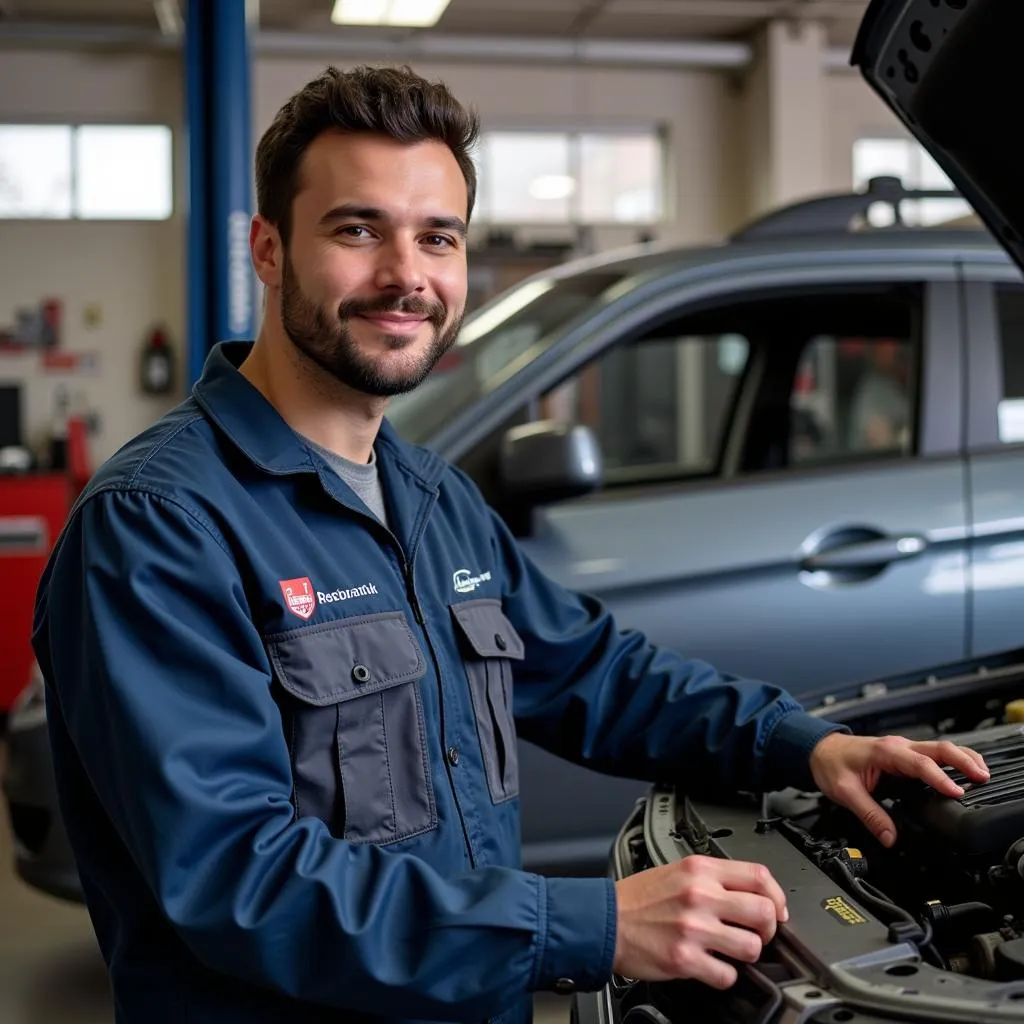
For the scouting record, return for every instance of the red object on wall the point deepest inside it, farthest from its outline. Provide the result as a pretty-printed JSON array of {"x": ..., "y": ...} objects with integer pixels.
[
  {"x": 79, "y": 460},
  {"x": 33, "y": 510}
]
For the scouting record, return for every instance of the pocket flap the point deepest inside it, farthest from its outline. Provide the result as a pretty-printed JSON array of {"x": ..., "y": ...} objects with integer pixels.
[
  {"x": 337, "y": 661},
  {"x": 487, "y": 629}
]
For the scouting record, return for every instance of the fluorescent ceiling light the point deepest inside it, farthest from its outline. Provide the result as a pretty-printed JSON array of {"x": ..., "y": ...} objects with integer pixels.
[
  {"x": 552, "y": 186},
  {"x": 398, "y": 13}
]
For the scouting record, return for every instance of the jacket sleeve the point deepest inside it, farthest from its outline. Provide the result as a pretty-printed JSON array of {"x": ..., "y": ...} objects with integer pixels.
[
  {"x": 161, "y": 678},
  {"x": 609, "y": 700}
]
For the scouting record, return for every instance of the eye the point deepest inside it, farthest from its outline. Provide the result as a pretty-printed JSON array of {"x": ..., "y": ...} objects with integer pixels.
[
  {"x": 439, "y": 241},
  {"x": 356, "y": 231}
]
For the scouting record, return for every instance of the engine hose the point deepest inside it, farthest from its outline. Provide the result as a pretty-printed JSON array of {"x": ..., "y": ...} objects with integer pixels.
[
  {"x": 881, "y": 903},
  {"x": 960, "y": 918},
  {"x": 646, "y": 1014},
  {"x": 872, "y": 896}
]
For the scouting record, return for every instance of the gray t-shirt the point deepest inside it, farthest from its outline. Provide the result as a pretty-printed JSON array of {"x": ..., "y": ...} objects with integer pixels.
[{"x": 363, "y": 478}]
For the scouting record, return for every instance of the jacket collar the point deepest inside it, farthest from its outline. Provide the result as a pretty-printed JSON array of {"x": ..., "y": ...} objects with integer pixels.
[{"x": 258, "y": 431}]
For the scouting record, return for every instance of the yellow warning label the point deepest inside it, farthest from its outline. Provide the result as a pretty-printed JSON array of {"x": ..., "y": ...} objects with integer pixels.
[{"x": 839, "y": 908}]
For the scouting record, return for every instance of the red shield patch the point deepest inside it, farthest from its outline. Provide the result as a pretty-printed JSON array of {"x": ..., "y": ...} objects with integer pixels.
[{"x": 299, "y": 596}]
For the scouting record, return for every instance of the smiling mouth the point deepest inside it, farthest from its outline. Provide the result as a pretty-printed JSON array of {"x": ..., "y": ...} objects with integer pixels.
[{"x": 393, "y": 324}]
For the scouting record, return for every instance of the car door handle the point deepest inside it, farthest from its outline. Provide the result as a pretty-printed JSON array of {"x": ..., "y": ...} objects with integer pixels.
[{"x": 863, "y": 554}]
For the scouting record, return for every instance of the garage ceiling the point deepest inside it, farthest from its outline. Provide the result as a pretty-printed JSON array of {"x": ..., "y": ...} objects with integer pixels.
[{"x": 590, "y": 19}]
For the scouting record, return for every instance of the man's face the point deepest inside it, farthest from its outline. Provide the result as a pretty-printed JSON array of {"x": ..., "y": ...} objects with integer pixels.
[{"x": 373, "y": 285}]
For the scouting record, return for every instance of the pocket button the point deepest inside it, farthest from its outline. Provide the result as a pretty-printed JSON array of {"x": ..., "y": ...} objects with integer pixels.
[
  {"x": 361, "y": 674},
  {"x": 500, "y": 642}
]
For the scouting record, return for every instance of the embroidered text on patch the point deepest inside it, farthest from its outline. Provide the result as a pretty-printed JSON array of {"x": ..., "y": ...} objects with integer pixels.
[
  {"x": 367, "y": 590},
  {"x": 466, "y": 583}
]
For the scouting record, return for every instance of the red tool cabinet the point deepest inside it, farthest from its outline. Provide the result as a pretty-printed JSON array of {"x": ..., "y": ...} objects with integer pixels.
[{"x": 33, "y": 509}]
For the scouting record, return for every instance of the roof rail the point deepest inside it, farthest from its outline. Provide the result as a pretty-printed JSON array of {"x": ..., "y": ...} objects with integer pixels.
[{"x": 834, "y": 213}]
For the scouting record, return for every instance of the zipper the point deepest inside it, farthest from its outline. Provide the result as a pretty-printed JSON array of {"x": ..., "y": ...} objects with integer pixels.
[{"x": 408, "y": 572}]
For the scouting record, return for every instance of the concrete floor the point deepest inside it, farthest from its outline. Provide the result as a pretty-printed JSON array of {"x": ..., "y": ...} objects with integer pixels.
[{"x": 51, "y": 971}]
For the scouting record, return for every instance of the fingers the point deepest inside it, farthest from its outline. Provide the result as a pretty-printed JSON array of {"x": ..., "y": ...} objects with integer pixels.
[
  {"x": 909, "y": 759},
  {"x": 748, "y": 910},
  {"x": 736, "y": 943},
  {"x": 850, "y": 792},
  {"x": 968, "y": 761},
  {"x": 693, "y": 962},
  {"x": 742, "y": 876}
]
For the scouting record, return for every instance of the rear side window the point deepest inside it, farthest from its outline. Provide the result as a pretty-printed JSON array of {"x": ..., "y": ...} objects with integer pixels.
[
  {"x": 1010, "y": 306},
  {"x": 854, "y": 396}
]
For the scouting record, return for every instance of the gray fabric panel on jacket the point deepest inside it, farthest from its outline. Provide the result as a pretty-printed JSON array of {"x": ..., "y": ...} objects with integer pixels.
[
  {"x": 358, "y": 737},
  {"x": 499, "y": 678},
  {"x": 318, "y": 663},
  {"x": 414, "y": 804},
  {"x": 492, "y": 641},
  {"x": 476, "y": 675},
  {"x": 488, "y": 629},
  {"x": 315, "y": 769},
  {"x": 365, "y": 772}
]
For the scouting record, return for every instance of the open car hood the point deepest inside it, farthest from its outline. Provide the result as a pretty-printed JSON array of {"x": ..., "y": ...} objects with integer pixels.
[{"x": 952, "y": 71}]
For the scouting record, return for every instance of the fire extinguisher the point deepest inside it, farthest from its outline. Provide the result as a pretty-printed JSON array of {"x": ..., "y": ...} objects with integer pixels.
[{"x": 157, "y": 364}]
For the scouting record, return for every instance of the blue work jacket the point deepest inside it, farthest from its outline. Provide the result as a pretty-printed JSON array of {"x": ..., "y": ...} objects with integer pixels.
[{"x": 284, "y": 735}]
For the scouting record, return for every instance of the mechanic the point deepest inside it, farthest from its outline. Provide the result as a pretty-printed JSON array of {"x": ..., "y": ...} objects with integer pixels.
[{"x": 287, "y": 655}]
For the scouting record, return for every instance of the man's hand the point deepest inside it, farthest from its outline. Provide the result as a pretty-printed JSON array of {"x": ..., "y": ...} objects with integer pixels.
[
  {"x": 672, "y": 919},
  {"x": 848, "y": 768}
]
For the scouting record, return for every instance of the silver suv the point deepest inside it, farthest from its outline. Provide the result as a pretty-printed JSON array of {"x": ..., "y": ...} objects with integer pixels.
[{"x": 795, "y": 454}]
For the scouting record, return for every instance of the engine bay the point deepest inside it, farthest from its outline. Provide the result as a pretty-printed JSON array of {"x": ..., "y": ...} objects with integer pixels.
[
  {"x": 954, "y": 883},
  {"x": 931, "y": 929}
]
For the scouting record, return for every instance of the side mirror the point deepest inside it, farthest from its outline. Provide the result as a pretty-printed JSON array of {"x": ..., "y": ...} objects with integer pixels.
[{"x": 544, "y": 462}]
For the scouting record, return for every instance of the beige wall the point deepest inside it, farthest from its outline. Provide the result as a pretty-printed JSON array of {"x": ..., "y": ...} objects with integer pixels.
[
  {"x": 854, "y": 112},
  {"x": 135, "y": 272},
  {"x": 698, "y": 108}
]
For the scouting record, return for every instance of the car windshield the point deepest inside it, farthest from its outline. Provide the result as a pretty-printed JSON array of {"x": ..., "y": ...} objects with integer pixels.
[{"x": 496, "y": 341}]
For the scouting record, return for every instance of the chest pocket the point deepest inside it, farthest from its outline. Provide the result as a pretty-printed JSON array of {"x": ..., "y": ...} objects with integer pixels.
[
  {"x": 491, "y": 644},
  {"x": 354, "y": 717}
]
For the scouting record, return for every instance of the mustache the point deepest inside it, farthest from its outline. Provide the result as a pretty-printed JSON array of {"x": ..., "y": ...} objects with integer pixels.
[{"x": 410, "y": 305}]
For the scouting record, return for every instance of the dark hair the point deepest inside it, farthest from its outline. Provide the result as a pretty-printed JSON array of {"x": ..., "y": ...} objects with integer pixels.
[{"x": 389, "y": 101}]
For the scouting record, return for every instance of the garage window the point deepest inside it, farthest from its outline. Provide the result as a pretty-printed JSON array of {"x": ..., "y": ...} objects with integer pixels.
[
  {"x": 909, "y": 161},
  {"x": 85, "y": 172},
  {"x": 544, "y": 177}
]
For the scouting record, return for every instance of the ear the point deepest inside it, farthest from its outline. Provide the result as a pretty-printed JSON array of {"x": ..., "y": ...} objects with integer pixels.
[{"x": 267, "y": 251}]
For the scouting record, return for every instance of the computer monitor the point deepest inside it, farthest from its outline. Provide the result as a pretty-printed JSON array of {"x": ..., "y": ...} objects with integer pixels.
[{"x": 10, "y": 415}]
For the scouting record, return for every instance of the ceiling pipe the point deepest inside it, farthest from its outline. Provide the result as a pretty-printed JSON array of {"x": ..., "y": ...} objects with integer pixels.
[
  {"x": 550, "y": 50},
  {"x": 705, "y": 54}
]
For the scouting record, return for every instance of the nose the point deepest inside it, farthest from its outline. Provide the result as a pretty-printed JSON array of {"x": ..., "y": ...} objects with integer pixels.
[{"x": 399, "y": 267}]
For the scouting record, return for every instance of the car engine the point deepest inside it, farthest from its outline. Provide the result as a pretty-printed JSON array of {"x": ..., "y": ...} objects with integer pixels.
[
  {"x": 931, "y": 929},
  {"x": 954, "y": 883}
]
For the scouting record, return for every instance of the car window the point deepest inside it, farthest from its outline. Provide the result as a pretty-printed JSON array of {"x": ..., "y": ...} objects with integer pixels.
[
  {"x": 659, "y": 407},
  {"x": 836, "y": 381},
  {"x": 1010, "y": 307},
  {"x": 853, "y": 396}
]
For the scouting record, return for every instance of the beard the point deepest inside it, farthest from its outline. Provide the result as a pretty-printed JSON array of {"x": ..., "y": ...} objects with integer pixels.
[{"x": 333, "y": 348}]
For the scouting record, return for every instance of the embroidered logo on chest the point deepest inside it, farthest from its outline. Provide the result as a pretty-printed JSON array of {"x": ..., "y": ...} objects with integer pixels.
[
  {"x": 299, "y": 596},
  {"x": 465, "y": 582}
]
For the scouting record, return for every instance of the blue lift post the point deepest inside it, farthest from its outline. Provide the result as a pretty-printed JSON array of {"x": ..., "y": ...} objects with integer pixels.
[{"x": 221, "y": 291}]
